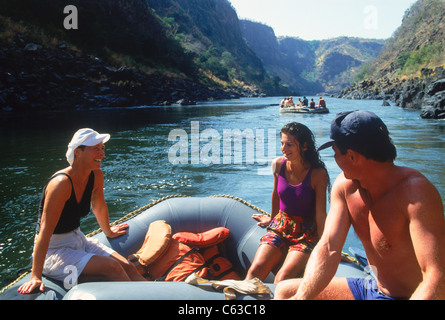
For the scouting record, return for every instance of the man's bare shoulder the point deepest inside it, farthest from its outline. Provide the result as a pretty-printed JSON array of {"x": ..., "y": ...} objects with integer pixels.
[
  {"x": 411, "y": 180},
  {"x": 414, "y": 187},
  {"x": 344, "y": 184}
]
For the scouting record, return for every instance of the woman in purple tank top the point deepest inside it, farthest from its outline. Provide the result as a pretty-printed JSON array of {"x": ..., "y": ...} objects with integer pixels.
[{"x": 298, "y": 207}]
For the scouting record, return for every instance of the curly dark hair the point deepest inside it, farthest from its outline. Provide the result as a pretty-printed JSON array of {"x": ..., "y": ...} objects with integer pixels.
[{"x": 306, "y": 138}]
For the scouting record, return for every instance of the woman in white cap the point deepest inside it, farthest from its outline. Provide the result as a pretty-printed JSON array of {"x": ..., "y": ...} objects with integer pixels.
[{"x": 61, "y": 250}]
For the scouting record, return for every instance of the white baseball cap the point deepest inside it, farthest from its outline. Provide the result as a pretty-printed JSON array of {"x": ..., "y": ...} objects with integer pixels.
[{"x": 84, "y": 137}]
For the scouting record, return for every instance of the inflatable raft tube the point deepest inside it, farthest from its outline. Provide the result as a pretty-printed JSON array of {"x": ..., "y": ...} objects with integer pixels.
[
  {"x": 183, "y": 214},
  {"x": 304, "y": 110}
]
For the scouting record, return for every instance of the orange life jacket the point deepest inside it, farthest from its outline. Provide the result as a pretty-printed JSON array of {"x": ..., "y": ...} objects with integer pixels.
[{"x": 163, "y": 257}]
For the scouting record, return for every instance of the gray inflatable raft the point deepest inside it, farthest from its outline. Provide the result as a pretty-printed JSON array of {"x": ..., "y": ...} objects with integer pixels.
[{"x": 183, "y": 214}]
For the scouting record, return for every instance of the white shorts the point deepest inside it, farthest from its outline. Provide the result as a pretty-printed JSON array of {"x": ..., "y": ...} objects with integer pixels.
[{"x": 69, "y": 253}]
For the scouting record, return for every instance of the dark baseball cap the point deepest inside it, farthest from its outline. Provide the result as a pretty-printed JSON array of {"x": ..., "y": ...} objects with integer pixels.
[{"x": 357, "y": 125}]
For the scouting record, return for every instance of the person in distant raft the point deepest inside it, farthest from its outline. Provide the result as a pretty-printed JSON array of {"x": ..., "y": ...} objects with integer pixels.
[
  {"x": 395, "y": 211},
  {"x": 321, "y": 103},
  {"x": 298, "y": 207},
  {"x": 66, "y": 198},
  {"x": 312, "y": 104}
]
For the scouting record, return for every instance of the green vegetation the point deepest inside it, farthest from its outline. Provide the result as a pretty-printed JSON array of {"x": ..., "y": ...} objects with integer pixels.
[
  {"x": 427, "y": 56},
  {"x": 417, "y": 44},
  {"x": 209, "y": 30},
  {"x": 365, "y": 72}
]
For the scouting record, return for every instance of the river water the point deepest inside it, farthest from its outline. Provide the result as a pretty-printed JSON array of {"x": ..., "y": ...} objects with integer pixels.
[{"x": 219, "y": 147}]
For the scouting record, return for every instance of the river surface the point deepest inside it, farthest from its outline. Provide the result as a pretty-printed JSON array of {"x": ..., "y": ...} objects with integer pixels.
[{"x": 220, "y": 147}]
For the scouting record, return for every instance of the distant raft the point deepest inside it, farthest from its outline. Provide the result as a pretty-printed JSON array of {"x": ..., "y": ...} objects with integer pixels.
[{"x": 303, "y": 110}]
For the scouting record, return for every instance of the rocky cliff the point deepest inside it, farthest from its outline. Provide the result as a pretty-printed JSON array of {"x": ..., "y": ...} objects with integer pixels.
[
  {"x": 124, "y": 52},
  {"x": 310, "y": 67},
  {"x": 410, "y": 70},
  {"x": 39, "y": 78},
  {"x": 209, "y": 30}
]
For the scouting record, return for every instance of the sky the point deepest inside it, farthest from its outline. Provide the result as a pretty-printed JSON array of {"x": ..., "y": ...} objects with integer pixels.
[{"x": 325, "y": 19}]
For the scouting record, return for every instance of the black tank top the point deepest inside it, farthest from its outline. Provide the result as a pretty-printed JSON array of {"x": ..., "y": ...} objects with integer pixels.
[{"x": 72, "y": 211}]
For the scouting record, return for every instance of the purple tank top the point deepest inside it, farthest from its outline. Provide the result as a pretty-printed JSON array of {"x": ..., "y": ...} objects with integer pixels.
[{"x": 298, "y": 200}]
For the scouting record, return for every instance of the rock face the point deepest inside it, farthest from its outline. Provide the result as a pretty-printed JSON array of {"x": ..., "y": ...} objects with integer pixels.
[
  {"x": 410, "y": 69},
  {"x": 434, "y": 102},
  {"x": 426, "y": 92},
  {"x": 38, "y": 78},
  {"x": 310, "y": 67}
]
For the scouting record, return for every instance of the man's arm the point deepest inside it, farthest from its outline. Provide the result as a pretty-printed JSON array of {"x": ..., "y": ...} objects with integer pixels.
[
  {"x": 326, "y": 256},
  {"x": 427, "y": 229}
]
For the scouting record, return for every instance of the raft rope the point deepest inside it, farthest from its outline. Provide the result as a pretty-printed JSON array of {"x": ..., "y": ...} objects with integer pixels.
[
  {"x": 14, "y": 282},
  {"x": 148, "y": 206},
  {"x": 242, "y": 201},
  {"x": 136, "y": 212}
]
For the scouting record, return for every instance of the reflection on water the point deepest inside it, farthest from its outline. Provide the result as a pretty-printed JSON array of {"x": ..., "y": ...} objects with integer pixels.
[{"x": 137, "y": 167}]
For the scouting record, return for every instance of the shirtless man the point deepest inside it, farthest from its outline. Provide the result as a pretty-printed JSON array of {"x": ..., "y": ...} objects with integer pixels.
[
  {"x": 321, "y": 103},
  {"x": 395, "y": 211},
  {"x": 66, "y": 198}
]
